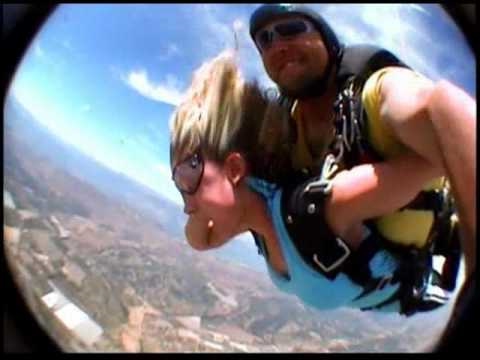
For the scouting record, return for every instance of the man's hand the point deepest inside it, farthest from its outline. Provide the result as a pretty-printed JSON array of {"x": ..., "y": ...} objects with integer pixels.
[{"x": 371, "y": 190}]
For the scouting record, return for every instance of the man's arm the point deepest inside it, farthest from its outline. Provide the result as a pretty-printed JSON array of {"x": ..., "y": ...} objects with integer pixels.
[
  {"x": 453, "y": 115},
  {"x": 371, "y": 190},
  {"x": 437, "y": 121}
]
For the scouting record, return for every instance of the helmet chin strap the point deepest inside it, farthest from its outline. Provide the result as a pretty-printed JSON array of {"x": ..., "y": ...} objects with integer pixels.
[{"x": 314, "y": 88}]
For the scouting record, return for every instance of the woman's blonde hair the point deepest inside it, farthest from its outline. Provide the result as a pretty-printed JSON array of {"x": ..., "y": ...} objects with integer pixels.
[{"x": 221, "y": 112}]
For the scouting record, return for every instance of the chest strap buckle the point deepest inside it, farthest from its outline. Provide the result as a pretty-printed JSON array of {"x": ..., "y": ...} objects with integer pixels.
[{"x": 337, "y": 263}]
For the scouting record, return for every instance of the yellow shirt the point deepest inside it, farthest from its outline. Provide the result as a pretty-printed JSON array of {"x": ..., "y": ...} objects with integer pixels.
[
  {"x": 407, "y": 227},
  {"x": 301, "y": 156}
]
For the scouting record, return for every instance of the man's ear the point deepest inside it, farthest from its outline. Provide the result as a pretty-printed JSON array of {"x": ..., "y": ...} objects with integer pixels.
[{"x": 235, "y": 167}]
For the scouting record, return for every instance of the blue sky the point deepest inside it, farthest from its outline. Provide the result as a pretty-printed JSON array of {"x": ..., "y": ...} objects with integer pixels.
[{"x": 105, "y": 77}]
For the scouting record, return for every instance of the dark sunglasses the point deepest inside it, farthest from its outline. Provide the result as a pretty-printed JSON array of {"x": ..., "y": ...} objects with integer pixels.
[
  {"x": 289, "y": 28},
  {"x": 187, "y": 175}
]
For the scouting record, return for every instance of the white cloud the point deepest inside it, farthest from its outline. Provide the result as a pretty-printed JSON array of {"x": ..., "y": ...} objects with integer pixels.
[
  {"x": 219, "y": 27},
  {"x": 48, "y": 56},
  {"x": 72, "y": 48},
  {"x": 404, "y": 29},
  {"x": 167, "y": 91},
  {"x": 54, "y": 119},
  {"x": 238, "y": 25},
  {"x": 418, "y": 8},
  {"x": 219, "y": 32},
  {"x": 38, "y": 50},
  {"x": 172, "y": 50},
  {"x": 223, "y": 28}
]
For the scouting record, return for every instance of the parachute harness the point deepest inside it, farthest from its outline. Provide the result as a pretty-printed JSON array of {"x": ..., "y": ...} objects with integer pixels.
[
  {"x": 347, "y": 135},
  {"x": 347, "y": 123},
  {"x": 415, "y": 272}
]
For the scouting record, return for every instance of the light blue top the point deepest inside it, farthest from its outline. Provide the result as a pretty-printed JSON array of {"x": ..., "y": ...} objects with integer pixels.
[{"x": 311, "y": 286}]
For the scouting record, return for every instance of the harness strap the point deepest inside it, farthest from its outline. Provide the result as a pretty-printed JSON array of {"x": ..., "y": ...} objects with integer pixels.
[
  {"x": 412, "y": 276},
  {"x": 302, "y": 208},
  {"x": 444, "y": 237},
  {"x": 305, "y": 223},
  {"x": 351, "y": 149},
  {"x": 356, "y": 267},
  {"x": 427, "y": 200},
  {"x": 309, "y": 230},
  {"x": 451, "y": 249}
]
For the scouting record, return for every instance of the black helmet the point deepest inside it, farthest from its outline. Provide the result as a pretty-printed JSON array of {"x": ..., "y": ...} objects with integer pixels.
[{"x": 267, "y": 12}]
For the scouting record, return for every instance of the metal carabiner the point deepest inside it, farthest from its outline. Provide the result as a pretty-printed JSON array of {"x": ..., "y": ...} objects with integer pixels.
[{"x": 324, "y": 183}]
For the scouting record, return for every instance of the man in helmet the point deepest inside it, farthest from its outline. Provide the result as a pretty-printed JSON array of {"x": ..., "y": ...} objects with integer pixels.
[{"x": 329, "y": 89}]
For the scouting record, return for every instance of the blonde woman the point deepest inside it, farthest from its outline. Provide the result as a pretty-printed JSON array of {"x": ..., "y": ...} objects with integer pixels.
[{"x": 232, "y": 165}]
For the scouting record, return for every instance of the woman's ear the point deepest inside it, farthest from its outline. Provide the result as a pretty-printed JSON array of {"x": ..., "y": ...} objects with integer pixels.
[{"x": 235, "y": 167}]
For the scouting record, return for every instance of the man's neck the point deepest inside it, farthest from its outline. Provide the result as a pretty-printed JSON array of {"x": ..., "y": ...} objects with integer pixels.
[
  {"x": 317, "y": 117},
  {"x": 318, "y": 109}
]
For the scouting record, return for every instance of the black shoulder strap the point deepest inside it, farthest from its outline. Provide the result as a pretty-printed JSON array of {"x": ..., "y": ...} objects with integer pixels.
[
  {"x": 363, "y": 60},
  {"x": 358, "y": 63},
  {"x": 302, "y": 211}
]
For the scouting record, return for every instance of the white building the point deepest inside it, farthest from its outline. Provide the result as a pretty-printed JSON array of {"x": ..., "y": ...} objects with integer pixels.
[{"x": 72, "y": 317}]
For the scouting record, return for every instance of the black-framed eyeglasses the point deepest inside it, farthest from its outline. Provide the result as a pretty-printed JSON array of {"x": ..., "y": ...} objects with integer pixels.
[
  {"x": 288, "y": 28},
  {"x": 188, "y": 174}
]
